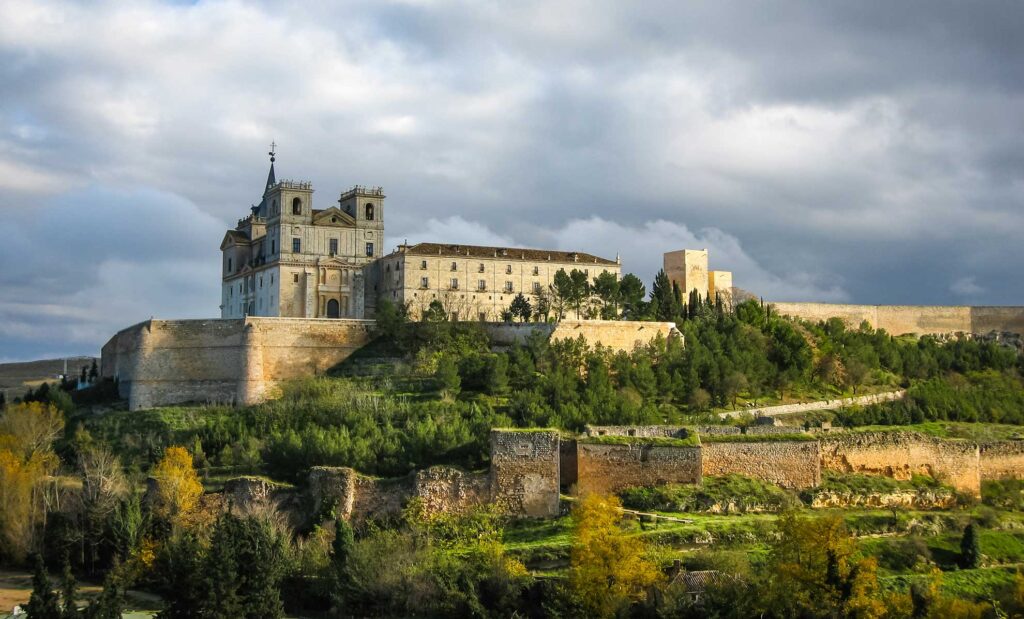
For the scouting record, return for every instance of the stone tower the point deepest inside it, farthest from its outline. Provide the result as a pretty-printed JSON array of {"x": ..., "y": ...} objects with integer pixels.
[{"x": 689, "y": 269}]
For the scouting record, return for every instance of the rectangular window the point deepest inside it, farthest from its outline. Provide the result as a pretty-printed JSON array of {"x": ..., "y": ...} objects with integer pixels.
[
  {"x": 508, "y": 286},
  {"x": 455, "y": 283},
  {"x": 334, "y": 246},
  {"x": 295, "y": 277},
  {"x": 455, "y": 266},
  {"x": 508, "y": 269},
  {"x": 229, "y": 265},
  {"x": 483, "y": 316},
  {"x": 273, "y": 247},
  {"x": 423, "y": 264},
  {"x": 481, "y": 269},
  {"x": 536, "y": 287},
  {"x": 536, "y": 270},
  {"x": 424, "y": 282},
  {"x": 369, "y": 249},
  {"x": 296, "y": 246},
  {"x": 482, "y": 284}
]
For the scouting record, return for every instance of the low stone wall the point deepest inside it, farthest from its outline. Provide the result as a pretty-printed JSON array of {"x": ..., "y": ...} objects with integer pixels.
[
  {"x": 1002, "y": 460},
  {"x": 821, "y": 405},
  {"x": 900, "y": 455},
  {"x": 609, "y": 468},
  {"x": 525, "y": 471},
  {"x": 641, "y": 431},
  {"x": 449, "y": 489},
  {"x": 613, "y": 334},
  {"x": 932, "y": 499},
  {"x": 790, "y": 464},
  {"x": 919, "y": 319}
]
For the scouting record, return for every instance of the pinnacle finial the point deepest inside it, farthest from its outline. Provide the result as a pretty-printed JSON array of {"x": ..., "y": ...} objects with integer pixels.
[{"x": 273, "y": 147}]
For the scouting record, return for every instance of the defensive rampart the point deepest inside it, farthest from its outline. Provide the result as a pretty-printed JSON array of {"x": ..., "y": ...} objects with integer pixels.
[
  {"x": 900, "y": 455},
  {"x": 787, "y": 463},
  {"x": 610, "y": 467},
  {"x": 919, "y": 319},
  {"x": 161, "y": 362},
  {"x": 1002, "y": 460},
  {"x": 613, "y": 334},
  {"x": 820, "y": 405},
  {"x": 525, "y": 471}
]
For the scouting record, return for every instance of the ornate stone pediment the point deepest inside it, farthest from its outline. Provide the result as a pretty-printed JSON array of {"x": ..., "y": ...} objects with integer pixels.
[
  {"x": 333, "y": 217},
  {"x": 234, "y": 237}
]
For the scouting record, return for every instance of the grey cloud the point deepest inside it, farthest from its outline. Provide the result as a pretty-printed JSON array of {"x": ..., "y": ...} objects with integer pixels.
[{"x": 865, "y": 151}]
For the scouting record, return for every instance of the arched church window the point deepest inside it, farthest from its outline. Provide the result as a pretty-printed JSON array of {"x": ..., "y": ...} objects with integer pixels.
[
  {"x": 369, "y": 211},
  {"x": 296, "y": 206}
]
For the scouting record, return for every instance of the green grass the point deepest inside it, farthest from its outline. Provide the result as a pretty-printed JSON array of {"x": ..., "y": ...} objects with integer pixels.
[
  {"x": 692, "y": 440},
  {"x": 757, "y": 438},
  {"x": 868, "y": 484},
  {"x": 974, "y": 431},
  {"x": 979, "y": 584},
  {"x": 740, "y": 493}
]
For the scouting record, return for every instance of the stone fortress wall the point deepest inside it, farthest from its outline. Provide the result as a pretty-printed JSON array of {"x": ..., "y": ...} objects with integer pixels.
[
  {"x": 919, "y": 319},
  {"x": 165, "y": 362},
  {"x": 529, "y": 467}
]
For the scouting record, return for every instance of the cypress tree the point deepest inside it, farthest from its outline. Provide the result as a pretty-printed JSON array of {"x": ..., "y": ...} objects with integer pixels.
[
  {"x": 43, "y": 603},
  {"x": 970, "y": 548},
  {"x": 69, "y": 590}
]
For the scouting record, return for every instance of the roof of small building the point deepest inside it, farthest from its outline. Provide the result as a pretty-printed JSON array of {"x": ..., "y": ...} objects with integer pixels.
[{"x": 511, "y": 253}]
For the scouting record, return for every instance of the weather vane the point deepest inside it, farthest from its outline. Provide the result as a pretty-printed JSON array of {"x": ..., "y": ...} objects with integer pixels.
[{"x": 273, "y": 146}]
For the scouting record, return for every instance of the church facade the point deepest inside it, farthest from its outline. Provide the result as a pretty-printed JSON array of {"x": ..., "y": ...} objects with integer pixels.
[{"x": 288, "y": 259}]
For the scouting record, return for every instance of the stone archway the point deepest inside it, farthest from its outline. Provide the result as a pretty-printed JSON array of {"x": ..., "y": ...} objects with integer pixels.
[{"x": 333, "y": 309}]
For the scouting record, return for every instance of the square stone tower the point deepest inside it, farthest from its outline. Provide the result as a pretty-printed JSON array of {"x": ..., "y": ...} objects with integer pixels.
[
  {"x": 688, "y": 268},
  {"x": 720, "y": 283}
]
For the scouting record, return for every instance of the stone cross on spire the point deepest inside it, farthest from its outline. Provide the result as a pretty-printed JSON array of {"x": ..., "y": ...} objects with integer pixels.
[{"x": 271, "y": 179}]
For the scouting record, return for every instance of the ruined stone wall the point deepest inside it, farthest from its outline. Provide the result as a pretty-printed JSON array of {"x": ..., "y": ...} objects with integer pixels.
[
  {"x": 613, "y": 334},
  {"x": 606, "y": 468},
  {"x": 790, "y": 464},
  {"x": 919, "y": 319},
  {"x": 641, "y": 431},
  {"x": 900, "y": 455},
  {"x": 568, "y": 472},
  {"x": 162, "y": 362},
  {"x": 525, "y": 471},
  {"x": 1002, "y": 460},
  {"x": 450, "y": 489}
]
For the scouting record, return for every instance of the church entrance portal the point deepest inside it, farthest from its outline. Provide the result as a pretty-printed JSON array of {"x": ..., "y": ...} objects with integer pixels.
[{"x": 332, "y": 309}]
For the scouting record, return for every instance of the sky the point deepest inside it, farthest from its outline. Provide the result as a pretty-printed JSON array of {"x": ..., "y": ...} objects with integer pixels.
[{"x": 863, "y": 152}]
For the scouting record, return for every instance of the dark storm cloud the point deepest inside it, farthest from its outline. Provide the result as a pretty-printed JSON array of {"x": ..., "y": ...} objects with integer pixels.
[{"x": 867, "y": 151}]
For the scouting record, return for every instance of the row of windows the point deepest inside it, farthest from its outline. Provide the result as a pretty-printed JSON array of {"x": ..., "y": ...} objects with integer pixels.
[
  {"x": 297, "y": 247},
  {"x": 482, "y": 268},
  {"x": 453, "y": 284}
]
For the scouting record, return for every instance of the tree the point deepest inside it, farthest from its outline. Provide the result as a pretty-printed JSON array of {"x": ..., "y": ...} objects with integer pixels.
[
  {"x": 69, "y": 592},
  {"x": 734, "y": 384},
  {"x": 447, "y": 375},
  {"x": 664, "y": 300},
  {"x": 631, "y": 295},
  {"x": 43, "y": 603},
  {"x": 856, "y": 373},
  {"x": 606, "y": 287},
  {"x": 341, "y": 550},
  {"x": 970, "y": 548},
  {"x": 3, "y": 400},
  {"x": 103, "y": 485},
  {"x": 26, "y": 463},
  {"x": 520, "y": 307},
  {"x": 607, "y": 568},
  {"x": 543, "y": 309},
  {"x": 31, "y": 426},
  {"x": 699, "y": 399},
  {"x": 177, "y": 486},
  {"x": 94, "y": 372}
]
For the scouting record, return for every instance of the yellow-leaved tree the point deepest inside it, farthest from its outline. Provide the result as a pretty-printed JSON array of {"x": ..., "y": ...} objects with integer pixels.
[
  {"x": 608, "y": 568},
  {"x": 27, "y": 463},
  {"x": 177, "y": 486}
]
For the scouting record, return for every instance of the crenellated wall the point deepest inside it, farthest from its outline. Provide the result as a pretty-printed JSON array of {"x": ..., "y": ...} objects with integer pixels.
[
  {"x": 790, "y": 464},
  {"x": 901, "y": 455},
  {"x": 919, "y": 319},
  {"x": 608, "y": 468}
]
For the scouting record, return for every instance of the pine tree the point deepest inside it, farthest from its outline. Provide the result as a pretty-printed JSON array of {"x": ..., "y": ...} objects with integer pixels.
[
  {"x": 520, "y": 307},
  {"x": 447, "y": 375},
  {"x": 69, "y": 591},
  {"x": 970, "y": 548},
  {"x": 220, "y": 582},
  {"x": 341, "y": 550},
  {"x": 94, "y": 372},
  {"x": 43, "y": 603},
  {"x": 663, "y": 296}
]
